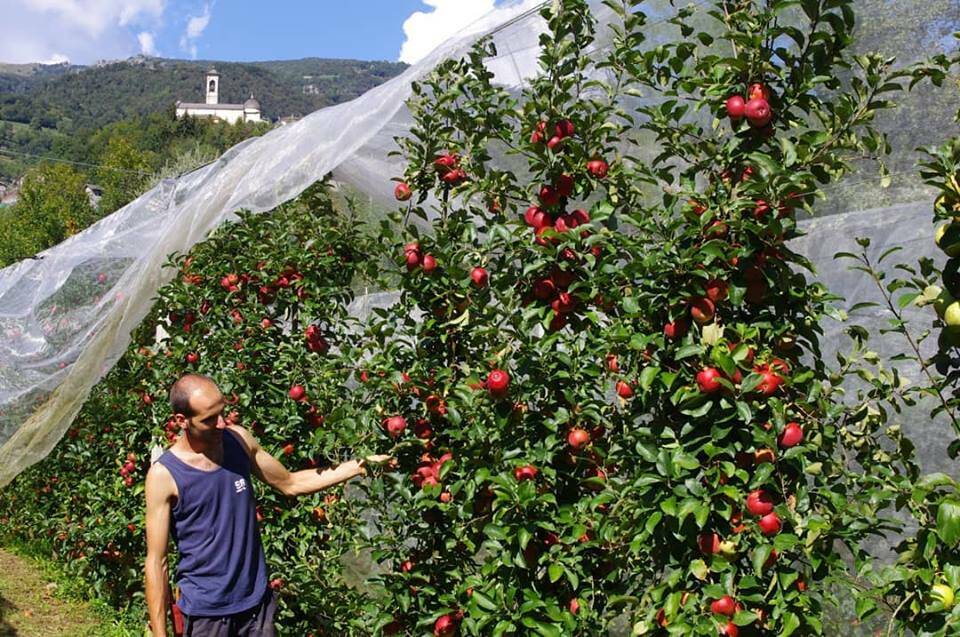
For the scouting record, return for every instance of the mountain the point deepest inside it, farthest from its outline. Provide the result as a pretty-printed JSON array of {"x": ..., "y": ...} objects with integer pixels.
[{"x": 68, "y": 97}]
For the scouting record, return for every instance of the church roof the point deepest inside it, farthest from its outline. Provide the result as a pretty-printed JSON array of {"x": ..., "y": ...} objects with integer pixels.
[
  {"x": 252, "y": 104},
  {"x": 213, "y": 71},
  {"x": 210, "y": 107}
]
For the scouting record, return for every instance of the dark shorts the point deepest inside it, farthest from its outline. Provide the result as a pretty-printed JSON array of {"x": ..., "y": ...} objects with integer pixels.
[{"x": 256, "y": 622}]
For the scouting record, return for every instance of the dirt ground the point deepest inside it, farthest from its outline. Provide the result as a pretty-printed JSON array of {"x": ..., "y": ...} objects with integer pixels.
[{"x": 29, "y": 607}]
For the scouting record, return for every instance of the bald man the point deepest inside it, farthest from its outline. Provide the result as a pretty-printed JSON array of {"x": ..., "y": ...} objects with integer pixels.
[{"x": 199, "y": 491}]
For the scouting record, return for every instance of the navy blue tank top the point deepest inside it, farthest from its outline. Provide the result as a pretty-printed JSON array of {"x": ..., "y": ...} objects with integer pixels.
[{"x": 222, "y": 569}]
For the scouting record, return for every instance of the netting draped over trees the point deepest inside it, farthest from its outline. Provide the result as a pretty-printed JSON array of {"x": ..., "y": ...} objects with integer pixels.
[{"x": 725, "y": 469}]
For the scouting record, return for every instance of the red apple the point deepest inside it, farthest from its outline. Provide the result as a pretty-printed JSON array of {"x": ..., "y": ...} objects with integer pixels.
[
  {"x": 708, "y": 380},
  {"x": 770, "y": 381},
  {"x": 544, "y": 289},
  {"x": 288, "y": 449},
  {"x": 716, "y": 290},
  {"x": 726, "y": 605},
  {"x": 533, "y": 217},
  {"x": 759, "y": 502},
  {"x": 709, "y": 543},
  {"x": 758, "y": 112},
  {"x": 498, "y": 382},
  {"x": 717, "y": 229},
  {"x": 445, "y": 626},
  {"x": 598, "y": 168},
  {"x": 735, "y": 107},
  {"x": 402, "y": 192},
  {"x": 792, "y": 435},
  {"x": 612, "y": 364},
  {"x": 549, "y": 196},
  {"x": 624, "y": 389},
  {"x": 730, "y": 630},
  {"x": 761, "y": 210},
  {"x": 574, "y": 606},
  {"x": 578, "y": 438},
  {"x": 564, "y": 128},
  {"x": 702, "y": 310},
  {"x": 277, "y": 583},
  {"x": 525, "y": 472},
  {"x": 297, "y": 392},
  {"x": 770, "y": 524},
  {"x": 395, "y": 426},
  {"x": 564, "y": 185},
  {"x": 675, "y": 329},
  {"x": 193, "y": 357},
  {"x": 758, "y": 91},
  {"x": 429, "y": 263},
  {"x": 479, "y": 277},
  {"x": 554, "y": 142}
]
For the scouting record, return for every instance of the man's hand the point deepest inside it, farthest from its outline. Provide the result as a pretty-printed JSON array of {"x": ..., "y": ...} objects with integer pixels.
[{"x": 379, "y": 459}]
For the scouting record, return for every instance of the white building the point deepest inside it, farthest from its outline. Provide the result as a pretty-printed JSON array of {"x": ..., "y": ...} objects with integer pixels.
[{"x": 249, "y": 111}]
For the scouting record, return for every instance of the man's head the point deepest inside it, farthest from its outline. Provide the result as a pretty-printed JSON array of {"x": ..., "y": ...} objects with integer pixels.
[{"x": 197, "y": 406}]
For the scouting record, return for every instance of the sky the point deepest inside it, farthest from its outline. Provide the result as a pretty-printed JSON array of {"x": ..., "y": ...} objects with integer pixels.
[{"x": 85, "y": 31}]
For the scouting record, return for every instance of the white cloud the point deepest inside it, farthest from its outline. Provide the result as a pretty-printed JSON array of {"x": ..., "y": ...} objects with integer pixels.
[
  {"x": 148, "y": 45},
  {"x": 56, "y": 58},
  {"x": 195, "y": 28},
  {"x": 80, "y": 30},
  {"x": 424, "y": 30}
]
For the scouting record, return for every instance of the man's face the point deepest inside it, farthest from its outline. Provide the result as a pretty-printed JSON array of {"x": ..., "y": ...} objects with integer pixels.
[{"x": 207, "y": 423}]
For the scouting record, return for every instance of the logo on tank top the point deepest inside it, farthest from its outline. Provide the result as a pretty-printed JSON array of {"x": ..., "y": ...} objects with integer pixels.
[{"x": 240, "y": 484}]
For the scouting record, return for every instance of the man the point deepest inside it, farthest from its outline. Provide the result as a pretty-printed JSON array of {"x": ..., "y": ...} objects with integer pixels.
[{"x": 199, "y": 491}]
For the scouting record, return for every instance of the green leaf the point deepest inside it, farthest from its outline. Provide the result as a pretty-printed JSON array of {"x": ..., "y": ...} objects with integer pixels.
[
  {"x": 555, "y": 571},
  {"x": 948, "y": 522}
]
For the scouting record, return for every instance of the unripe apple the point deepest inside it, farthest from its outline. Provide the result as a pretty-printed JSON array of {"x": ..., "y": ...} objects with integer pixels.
[
  {"x": 498, "y": 381},
  {"x": 297, "y": 392},
  {"x": 951, "y": 316},
  {"x": 624, "y": 389},
  {"x": 948, "y": 238},
  {"x": 759, "y": 502},
  {"x": 395, "y": 426},
  {"x": 727, "y": 549},
  {"x": 770, "y": 524},
  {"x": 792, "y": 435},
  {"x": 708, "y": 380},
  {"x": 525, "y": 472},
  {"x": 942, "y": 300},
  {"x": 479, "y": 277},
  {"x": 942, "y": 595},
  {"x": 578, "y": 438},
  {"x": 702, "y": 310},
  {"x": 726, "y": 605},
  {"x": 758, "y": 113},
  {"x": 735, "y": 107},
  {"x": 402, "y": 192}
]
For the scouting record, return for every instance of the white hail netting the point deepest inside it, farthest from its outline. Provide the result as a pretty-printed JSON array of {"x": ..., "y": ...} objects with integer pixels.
[{"x": 66, "y": 317}]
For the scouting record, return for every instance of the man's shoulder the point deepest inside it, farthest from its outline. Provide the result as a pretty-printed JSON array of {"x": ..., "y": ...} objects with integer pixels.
[
  {"x": 160, "y": 480},
  {"x": 245, "y": 436}
]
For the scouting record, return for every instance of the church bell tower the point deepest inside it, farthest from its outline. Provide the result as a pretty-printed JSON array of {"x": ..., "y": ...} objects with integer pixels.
[{"x": 213, "y": 87}]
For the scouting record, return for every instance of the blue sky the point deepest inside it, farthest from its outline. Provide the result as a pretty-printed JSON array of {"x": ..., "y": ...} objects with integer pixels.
[{"x": 85, "y": 31}]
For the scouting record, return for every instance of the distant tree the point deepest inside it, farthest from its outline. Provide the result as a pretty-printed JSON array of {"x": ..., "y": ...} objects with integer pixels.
[
  {"x": 123, "y": 173},
  {"x": 52, "y": 205}
]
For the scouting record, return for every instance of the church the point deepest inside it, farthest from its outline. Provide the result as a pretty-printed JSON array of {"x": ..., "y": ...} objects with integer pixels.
[{"x": 249, "y": 111}]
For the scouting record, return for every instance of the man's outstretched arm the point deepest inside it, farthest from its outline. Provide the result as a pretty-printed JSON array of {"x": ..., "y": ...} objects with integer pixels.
[{"x": 294, "y": 483}]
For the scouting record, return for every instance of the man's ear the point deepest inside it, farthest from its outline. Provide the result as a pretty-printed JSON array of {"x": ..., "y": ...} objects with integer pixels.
[{"x": 181, "y": 420}]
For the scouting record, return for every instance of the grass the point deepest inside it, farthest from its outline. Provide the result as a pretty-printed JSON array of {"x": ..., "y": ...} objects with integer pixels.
[{"x": 38, "y": 600}]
